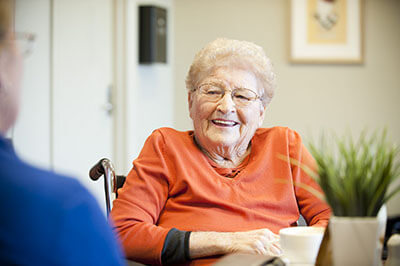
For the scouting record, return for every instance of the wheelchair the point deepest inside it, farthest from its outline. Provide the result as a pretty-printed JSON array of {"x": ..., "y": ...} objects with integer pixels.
[{"x": 112, "y": 182}]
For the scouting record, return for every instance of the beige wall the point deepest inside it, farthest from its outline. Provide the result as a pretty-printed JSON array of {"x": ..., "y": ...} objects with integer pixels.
[{"x": 309, "y": 98}]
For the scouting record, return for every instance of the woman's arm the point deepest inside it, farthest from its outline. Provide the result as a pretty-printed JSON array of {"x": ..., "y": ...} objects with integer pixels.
[
  {"x": 314, "y": 209},
  {"x": 261, "y": 241},
  {"x": 140, "y": 202}
]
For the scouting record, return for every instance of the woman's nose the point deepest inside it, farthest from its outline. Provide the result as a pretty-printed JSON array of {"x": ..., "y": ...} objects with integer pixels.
[{"x": 226, "y": 104}]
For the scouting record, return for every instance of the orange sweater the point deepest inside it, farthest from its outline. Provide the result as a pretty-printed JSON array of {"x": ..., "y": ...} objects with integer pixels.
[{"x": 173, "y": 184}]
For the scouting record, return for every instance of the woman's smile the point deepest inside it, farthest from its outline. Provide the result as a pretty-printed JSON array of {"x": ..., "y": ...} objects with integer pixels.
[{"x": 224, "y": 123}]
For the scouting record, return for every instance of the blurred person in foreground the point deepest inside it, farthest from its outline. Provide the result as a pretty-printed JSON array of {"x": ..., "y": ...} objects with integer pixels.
[
  {"x": 47, "y": 219},
  {"x": 196, "y": 195}
]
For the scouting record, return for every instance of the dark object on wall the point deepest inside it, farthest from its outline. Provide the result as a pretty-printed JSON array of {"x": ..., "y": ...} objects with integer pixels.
[{"x": 152, "y": 34}]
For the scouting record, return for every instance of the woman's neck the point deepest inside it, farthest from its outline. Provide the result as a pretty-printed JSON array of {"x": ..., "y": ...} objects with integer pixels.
[{"x": 224, "y": 156}]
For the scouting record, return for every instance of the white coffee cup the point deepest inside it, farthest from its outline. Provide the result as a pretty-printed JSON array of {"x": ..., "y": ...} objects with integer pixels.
[{"x": 301, "y": 244}]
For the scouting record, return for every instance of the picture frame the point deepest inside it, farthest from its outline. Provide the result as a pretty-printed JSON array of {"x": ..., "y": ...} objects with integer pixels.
[{"x": 326, "y": 31}]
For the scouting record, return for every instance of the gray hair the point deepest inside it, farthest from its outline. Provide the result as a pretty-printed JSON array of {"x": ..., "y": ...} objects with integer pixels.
[{"x": 224, "y": 52}]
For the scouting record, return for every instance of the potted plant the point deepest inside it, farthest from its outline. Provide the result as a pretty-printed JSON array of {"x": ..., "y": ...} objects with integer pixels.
[{"x": 355, "y": 177}]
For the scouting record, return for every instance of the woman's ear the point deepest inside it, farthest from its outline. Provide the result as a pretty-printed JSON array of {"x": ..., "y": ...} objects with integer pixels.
[
  {"x": 190, "y": 99},
  {"x": 190, "y": 102}
]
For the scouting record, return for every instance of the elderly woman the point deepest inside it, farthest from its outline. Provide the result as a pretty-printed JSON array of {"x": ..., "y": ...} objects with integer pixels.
[{"x": 221, "y": 188}]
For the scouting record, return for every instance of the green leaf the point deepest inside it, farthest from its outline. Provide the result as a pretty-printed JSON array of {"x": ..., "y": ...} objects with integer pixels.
[{"x": 354, "y": 175}]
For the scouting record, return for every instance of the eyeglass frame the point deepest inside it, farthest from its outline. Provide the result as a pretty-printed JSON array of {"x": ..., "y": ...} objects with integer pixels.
[
  {"x": 232, "y": 92},
  {"x": 28, "y": 38}
]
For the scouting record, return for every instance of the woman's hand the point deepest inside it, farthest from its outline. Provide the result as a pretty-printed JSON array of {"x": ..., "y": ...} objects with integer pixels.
[{"x": 260, "y": 241}]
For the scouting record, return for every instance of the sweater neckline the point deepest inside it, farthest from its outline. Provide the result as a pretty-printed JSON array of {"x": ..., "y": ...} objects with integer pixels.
[{"x": 230, "y": 173}]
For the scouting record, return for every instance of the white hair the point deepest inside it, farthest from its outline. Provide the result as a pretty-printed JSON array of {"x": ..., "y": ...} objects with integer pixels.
[{"x": 224, "y": 52}]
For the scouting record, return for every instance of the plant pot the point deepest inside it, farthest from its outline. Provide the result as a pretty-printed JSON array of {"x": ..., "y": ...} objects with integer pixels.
[{"x": 357, "y": 240}]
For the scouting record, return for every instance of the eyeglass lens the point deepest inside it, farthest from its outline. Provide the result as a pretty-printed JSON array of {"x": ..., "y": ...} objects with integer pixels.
[{"x": 240, "y": 96}]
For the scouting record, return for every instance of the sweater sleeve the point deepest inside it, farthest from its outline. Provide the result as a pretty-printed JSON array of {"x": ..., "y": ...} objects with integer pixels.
[
  {"x": 313, "y": 208},
  {"x": 140, "y": 202}
]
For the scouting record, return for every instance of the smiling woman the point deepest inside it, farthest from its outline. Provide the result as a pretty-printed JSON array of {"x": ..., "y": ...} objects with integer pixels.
[
  {"x": 196, "y": 195},
  {"x": 222, "y": 127}
]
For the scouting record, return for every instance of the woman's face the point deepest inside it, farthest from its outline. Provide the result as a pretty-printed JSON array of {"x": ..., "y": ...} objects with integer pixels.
[{"x": 223, "y": 123}]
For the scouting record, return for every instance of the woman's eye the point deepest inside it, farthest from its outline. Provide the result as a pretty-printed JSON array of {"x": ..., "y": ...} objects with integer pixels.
[
  {"x": 213, "y": 92},
  {"x": 242, "y": 97}
]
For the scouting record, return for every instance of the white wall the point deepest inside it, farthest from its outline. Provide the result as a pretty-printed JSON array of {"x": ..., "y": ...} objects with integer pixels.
[
  {"x": 149, "y": 92},
  {"x": 309, "y": 98}
]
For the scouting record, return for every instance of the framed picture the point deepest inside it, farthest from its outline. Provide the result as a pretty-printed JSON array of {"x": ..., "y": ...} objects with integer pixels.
[{"x": 326, "y": 31}]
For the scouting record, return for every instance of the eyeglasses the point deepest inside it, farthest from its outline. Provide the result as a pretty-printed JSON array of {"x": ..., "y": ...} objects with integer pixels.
[
  {"x": 25, "y": 42},
  {"x": 240, "y": 96}
]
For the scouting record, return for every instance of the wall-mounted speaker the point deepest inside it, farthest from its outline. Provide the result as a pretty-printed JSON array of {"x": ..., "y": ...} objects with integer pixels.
[{"x": 152, "y": 34}]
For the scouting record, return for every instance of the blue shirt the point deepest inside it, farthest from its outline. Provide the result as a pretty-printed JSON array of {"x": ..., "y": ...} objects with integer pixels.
[{"x": 49, "y": 219}]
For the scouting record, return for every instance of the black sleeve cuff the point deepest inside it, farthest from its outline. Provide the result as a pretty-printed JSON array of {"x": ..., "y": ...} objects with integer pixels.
[
  {"x": 176, "y": 247},
  {"x": 187, "y": 254}
]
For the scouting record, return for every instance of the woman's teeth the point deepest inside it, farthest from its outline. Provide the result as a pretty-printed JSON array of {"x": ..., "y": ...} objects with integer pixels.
[{"x": 224, "y": 122}]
